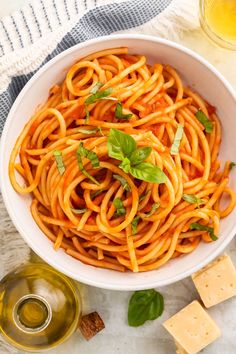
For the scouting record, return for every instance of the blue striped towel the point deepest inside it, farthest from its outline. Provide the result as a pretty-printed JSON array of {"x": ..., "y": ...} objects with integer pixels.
[{"x": 44, "y": 28}]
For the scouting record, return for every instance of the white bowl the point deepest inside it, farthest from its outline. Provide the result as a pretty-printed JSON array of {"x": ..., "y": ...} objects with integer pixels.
[{"x": 197, "y": 73}]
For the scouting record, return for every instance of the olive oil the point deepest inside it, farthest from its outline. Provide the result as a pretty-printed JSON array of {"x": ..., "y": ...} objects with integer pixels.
[
  {"x": 218, "y": 19},
  {"x": 39, "y": 307},
  {"x": 221, "y": 17}
]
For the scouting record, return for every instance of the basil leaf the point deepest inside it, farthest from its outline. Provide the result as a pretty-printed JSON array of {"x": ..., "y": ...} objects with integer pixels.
[
  {"x": 96, "y": 87},
  {"x": 59, "y": 161},
  {"x": 210, "y": 230},
  {"x": 87, "y": 115},
  {"x": 98, "y": 95},
  {"x": 192, "y": 199},
  {"x": 91, "y": 155},
  {"x": 232, "y": 165},
  {"x": 134, "y": 224},
  {"x": 125, "y": 165},
  {"x": 119, "y": 114},
  {"x": 140, "y": 155},
  {"x": 123, "y": 182},
  {"x": 120, "y": 210},
  {"x": 205, "y": 121},
  {"x": 154, "y": 207},
  {"x": 88, "y": 131},
  {"x": 144, "y": 305},
  {"x": 79, "y": 211},
  {"x": 174, "y": 150},
  {"x": 120, "y": 145},
  {"x": 148, "y": 172},
  {"x": 82, "y": 169}
]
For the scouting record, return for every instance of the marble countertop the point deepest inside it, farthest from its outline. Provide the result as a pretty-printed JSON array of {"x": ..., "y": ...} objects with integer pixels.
[{"x": 112, "y": 306}]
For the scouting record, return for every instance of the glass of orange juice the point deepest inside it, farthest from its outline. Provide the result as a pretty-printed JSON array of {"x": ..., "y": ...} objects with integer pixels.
[{"x": 218, "y": 20}]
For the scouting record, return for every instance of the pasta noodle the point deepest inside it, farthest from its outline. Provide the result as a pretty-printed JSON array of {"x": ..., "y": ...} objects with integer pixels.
[{"x": 94, "y": 205}]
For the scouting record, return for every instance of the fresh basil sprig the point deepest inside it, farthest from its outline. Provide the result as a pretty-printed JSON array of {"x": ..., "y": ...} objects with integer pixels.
[
  {"x": 174, "y": 150},
  {"x": 59, "y": 161},
  {"x": 134, "y": 224},
  {"x": 200, "y": 227},
  {"x": 120, "y": 210},
  {"x": 205, "y": 121},
  {"x": 123, "y": 147},
  {"x": 192, "y": 199},
  {"x": 119, "y": 114},
  {"x": 144, "y": 305},
  {"x": 123, "y": 182}
]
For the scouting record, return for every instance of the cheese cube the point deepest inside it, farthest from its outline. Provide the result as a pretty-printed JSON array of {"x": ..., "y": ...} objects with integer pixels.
[
  {"x": 179, "y": 349},
  {"x": 192, "y": 328},
  {"x": 216, "y": 282}
]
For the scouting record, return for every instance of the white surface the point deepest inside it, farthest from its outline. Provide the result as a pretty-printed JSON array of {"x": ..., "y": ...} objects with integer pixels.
[
  {"x": 8, "y": 6},
  {"x": 152, "y": 338},
  {"x": 197, "y": 73}
]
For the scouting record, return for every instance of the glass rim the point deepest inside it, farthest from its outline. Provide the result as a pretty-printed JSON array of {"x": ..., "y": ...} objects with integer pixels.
[{"x": 223, "y": 43}]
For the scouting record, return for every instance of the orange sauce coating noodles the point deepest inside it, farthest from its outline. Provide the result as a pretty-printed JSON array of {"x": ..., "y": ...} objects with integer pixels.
[{"x": 158, "y": 101}]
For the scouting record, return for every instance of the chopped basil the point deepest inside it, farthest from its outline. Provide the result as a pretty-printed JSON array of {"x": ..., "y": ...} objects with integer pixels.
[
  {"x": 96, "y": 87},
  {"x": 88, "y": 131},
  {"x": 232, "y": 165},
  {"x": 154, "y": 208},
  {"x": 123, "y": 147},
  {"x": 142, "y": 197},
  {"x": 79, "y": 211},
  {"x": 192, "y": 199},
  {"x": 123, "y": 182},
  {"x": 134, "y": 224},
  {"x": 81, "y": 167},
  {"x": 174, "y": 150},
  {"x": 119, "y": 114},
  {"x": 95, "y": 194},
  {"x": 200, "y": 227},
  {"x": 91, "y": 155},
  {"x": 144, "y": 305},
  {"x": 98, "y": 95},
  {"x": 100, "y": 131},
  {"x": 204, "y": 121},
  {"x": 120, "y": 210},
  {"x": 87, "y": 115},
  {"x": 59, "y": 161}
]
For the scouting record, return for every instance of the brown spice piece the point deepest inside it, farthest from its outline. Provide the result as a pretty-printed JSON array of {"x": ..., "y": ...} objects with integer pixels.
[{"x": 90, "y": 325}]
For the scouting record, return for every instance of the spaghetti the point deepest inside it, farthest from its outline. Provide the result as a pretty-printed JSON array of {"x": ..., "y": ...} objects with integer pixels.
[{"x": 122, "y": 164}]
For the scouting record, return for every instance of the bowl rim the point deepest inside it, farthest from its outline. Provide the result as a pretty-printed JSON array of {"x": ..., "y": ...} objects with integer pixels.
[{"x": 14, "y": 218}]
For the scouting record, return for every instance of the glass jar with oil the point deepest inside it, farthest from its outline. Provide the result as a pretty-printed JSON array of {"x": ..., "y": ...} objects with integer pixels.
[
  {"x": 39, "y": 307},
  {"x": 218, "y": 20}
]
